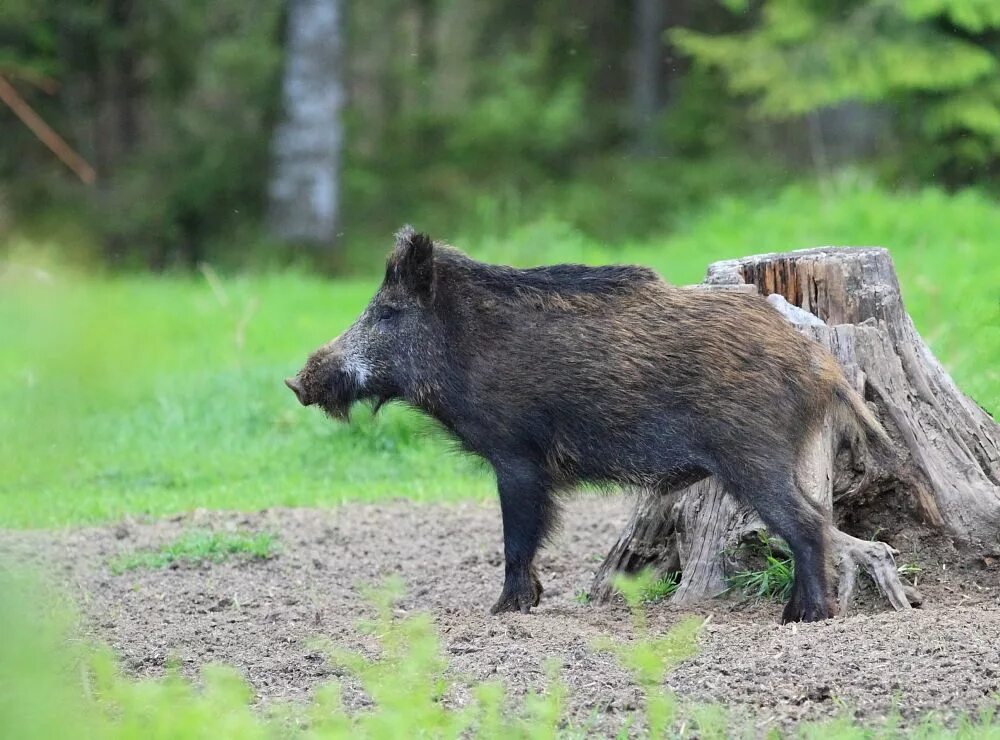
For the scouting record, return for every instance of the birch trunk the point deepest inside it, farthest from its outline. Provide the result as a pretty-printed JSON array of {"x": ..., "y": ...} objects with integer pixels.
[{"x": 305, "y": 189}]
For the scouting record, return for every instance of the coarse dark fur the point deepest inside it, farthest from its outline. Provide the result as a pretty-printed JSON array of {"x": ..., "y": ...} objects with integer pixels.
[{"x": 568, "y": 374}]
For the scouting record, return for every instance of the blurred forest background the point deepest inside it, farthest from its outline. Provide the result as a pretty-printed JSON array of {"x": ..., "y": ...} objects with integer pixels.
[{"x": 253, "y": 133}]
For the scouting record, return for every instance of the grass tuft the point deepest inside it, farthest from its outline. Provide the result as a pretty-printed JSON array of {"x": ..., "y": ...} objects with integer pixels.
[
  {"x": 661, "y": 588},
  {"x": 772, "y": 581},
  {"x": 645, "y": 587},
  {"x": 199, "y": 547}
]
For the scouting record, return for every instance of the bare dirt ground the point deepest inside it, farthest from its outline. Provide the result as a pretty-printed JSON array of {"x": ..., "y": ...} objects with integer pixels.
[{"x": 261, "y": 616}]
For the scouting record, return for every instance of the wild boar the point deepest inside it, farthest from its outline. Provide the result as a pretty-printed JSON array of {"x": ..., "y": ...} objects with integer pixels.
[{"x": 567, "y": 374}]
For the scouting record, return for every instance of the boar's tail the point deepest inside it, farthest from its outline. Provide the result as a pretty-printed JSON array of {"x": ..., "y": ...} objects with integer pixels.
[{"x": 855, "y": 414}]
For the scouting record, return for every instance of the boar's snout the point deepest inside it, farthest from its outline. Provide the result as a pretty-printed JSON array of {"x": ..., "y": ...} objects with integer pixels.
[{"x": 297, "y": 388}]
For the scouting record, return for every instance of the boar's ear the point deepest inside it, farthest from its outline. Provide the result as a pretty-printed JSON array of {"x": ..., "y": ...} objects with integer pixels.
[{"x": 413, "y": 262}]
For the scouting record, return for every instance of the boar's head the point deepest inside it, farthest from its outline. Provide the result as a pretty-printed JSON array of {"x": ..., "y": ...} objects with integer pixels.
[{"x": 390, "y": 351}]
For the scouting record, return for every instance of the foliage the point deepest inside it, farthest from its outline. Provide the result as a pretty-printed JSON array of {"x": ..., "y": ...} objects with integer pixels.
[
  {"x": 172, "y": 102},
  {"x": 199, "y": 547},
  {"x": 933, "y": 62},
  {"x": 151, "y": 396},
  {"x": 213, "y": 109},
  {"x": 476, "y": 118},
  {"x": 531, "y": 120}
]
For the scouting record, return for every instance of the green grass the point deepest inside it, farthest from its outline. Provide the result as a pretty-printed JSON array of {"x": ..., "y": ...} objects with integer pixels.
[
  {"x": 199, "y": 547},
  {"x": 152, "y": 396},
  {"x": 155, "y": 395}
]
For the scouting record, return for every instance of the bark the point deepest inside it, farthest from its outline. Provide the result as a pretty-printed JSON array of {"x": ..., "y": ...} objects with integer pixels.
[
  {"x": 305, "y": 188},
  {"x": 947, "y": 474}
]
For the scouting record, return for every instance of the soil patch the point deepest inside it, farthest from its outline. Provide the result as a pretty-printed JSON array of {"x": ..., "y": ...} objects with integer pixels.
[{"x": 261, "y": 616}]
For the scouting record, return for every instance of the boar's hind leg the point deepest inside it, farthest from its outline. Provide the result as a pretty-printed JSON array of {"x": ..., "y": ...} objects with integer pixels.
[
  {"x": 785, "y": 511},
  {"x": 528, "y": 514}
]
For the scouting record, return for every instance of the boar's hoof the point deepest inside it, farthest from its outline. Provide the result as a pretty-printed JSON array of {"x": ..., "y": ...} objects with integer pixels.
[
  {"x": 796, "y": 611},
  {"x": 519, "y": 595}
]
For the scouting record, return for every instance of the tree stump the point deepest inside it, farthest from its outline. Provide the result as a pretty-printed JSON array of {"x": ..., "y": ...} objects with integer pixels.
[{"x": 947, "y": 475}]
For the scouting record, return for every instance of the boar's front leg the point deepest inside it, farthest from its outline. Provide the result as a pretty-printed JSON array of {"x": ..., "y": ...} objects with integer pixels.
[{"x": 528, "y": 513}]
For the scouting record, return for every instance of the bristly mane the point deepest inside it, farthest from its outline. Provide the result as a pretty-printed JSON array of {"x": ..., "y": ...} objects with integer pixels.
[{"x": 556, "y": 281}]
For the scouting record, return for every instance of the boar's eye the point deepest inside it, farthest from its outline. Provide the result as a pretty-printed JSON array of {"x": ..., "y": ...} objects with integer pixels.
[{"x": 385, "y": 314}]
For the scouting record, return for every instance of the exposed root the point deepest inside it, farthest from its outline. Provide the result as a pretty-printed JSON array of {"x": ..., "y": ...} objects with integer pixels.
[{"x": 878, "y": 560}]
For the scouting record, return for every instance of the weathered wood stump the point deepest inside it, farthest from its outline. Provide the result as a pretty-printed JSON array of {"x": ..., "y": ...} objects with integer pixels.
[{"x": 947, "y": 474}]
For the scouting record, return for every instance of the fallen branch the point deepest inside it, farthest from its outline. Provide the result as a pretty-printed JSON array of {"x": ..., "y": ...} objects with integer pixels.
[{"x": 45, "y": 134}]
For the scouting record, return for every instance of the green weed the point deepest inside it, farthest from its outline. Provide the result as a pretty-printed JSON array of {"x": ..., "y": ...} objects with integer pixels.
[
  {"x": 649, "y": 658},
  {"x": 910, "y": 571},
  {"x": 199, "y": 547},
  {"x": 406, "y": 682}
]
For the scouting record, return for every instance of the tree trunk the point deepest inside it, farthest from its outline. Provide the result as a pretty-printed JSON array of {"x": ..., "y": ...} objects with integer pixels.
[
  {"x": 123, "y": 73},
  {"x": 650, "y": 21},
  {"x": 305, "y": 188},
  {"x": 948, "y": 470}
]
